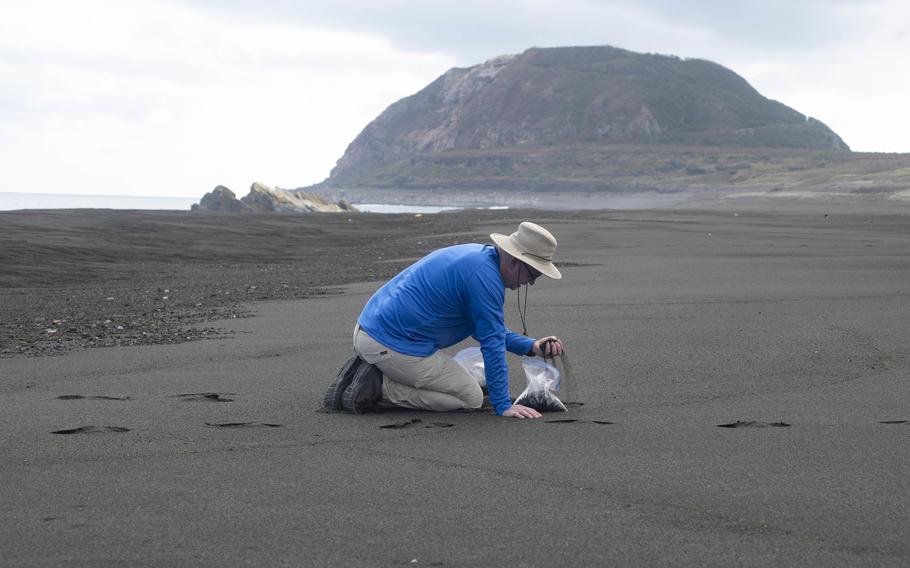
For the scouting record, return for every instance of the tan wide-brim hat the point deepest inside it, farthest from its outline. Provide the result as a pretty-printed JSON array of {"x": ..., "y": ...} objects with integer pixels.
[{"x": 533, "y": 245}]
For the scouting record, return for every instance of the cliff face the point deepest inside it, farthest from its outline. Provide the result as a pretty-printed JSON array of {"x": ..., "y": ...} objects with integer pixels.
[{"x": 573, "y": 95}]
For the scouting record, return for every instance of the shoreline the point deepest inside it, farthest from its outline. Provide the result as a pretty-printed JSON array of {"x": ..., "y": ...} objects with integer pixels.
[
  {"x": 431, "y": 201},
  {"x": 706, "y": 199}
]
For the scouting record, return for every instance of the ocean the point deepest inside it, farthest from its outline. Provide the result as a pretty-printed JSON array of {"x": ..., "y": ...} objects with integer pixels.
[{"x": 14, "y": 201}]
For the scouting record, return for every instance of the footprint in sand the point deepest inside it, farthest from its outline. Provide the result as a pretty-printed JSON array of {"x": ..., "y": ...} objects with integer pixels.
[
  {"x": 99, "y": 397},
  {"x": 414, "y": 422},
  {"x": 241, "y": 424},
  {"x": 205, "y": 397},
  {"x": 753, "y": 424},
  {"x": 571, "y": 420},
  {"x": 92, "y": 429}
]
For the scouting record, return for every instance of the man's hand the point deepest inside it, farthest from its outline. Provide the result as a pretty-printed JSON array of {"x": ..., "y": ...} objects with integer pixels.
[
  {"x": 550, "y": 346},
  {"x": 519, "y": 411}
]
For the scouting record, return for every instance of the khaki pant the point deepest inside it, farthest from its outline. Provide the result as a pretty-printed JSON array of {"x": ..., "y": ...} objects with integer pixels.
[{"x": 437, "y": 382}]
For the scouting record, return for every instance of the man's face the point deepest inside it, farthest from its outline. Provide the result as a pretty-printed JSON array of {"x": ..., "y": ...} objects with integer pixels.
[{"x": 519, "y": 274}]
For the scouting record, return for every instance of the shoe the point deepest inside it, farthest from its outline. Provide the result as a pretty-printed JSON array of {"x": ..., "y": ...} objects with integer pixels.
[
  {"x": 364, "y": 391},
  {"x": 332, "y": 400}
]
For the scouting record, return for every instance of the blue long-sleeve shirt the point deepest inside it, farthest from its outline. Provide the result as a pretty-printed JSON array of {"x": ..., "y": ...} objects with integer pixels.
[{"x": 445, "y": 297}]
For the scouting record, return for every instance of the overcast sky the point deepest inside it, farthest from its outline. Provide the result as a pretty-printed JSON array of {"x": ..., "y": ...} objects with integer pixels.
[{"x": 171, "y": 98}]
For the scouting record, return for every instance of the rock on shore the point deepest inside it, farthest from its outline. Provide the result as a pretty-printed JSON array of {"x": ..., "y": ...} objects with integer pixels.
[{"x": 265, "y": 199}]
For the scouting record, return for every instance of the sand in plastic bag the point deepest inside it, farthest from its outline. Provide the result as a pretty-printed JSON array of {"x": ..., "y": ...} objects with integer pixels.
[{"x": 542, "y": 380}]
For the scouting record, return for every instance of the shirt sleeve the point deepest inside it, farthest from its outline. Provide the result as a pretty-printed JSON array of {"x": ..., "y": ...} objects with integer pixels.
[
  {"x": 518, "y": 344},
  {"x": 485, "y": 306}
]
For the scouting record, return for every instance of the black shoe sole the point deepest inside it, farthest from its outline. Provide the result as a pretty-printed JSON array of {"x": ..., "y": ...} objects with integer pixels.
[
  {"x": 364, "y": 391},
  {"x": 332, "y": 399}
]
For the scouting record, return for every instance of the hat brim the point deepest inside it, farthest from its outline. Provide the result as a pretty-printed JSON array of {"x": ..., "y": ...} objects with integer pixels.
[{"x": 544, "y": 267}]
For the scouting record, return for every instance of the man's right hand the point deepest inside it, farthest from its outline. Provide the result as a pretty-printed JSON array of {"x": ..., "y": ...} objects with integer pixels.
[
  {"x": 519, "y": 411},
  {"x": 550, "y": 346}
]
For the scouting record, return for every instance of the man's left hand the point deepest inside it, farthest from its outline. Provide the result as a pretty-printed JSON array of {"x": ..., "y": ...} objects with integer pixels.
[{"x": 550, "y": 346}]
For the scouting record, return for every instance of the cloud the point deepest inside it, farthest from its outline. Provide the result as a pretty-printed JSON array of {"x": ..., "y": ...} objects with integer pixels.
[
  {"x": 768, "y": 25},
  {"x": 857, "y": 87},
  {"x": 836, "y": 60},
  {"x": 171, "y": 98},
  {"x": 157, "y": 98},
  {"x": 475, "y": 30}
]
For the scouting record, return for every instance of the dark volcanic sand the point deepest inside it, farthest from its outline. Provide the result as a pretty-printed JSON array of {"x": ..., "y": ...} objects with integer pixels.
[
  {"x": 695, "y": 337},
  {"x": 74, "y": 279}
]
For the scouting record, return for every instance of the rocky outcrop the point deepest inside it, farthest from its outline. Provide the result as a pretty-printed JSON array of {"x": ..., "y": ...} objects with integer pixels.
[
  {"x": 219, "y": 199},
  {"x": 265, "y": 199},
  {"x": 523, "y": 105}
]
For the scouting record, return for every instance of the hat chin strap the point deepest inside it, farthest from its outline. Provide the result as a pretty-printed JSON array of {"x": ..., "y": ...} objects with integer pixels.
[{"x": 522, "y": 312}]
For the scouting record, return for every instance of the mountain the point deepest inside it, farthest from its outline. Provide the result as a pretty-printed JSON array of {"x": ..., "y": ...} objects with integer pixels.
[{"x": 504, "y": 122}]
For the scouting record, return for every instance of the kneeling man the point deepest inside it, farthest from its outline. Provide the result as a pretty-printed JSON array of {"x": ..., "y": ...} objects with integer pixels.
[{"x": 450, "y": 294}]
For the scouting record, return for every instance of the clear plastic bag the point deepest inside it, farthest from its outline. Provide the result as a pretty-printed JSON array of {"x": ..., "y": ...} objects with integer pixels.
[
  {"x": 471, "y": 359},
  {"x": 543, "y": 378}
]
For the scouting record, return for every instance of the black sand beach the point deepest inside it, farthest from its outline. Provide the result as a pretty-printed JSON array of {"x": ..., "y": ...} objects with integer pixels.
[
  {"x": 739, "y": 395},
  {"x": 73, "y": 279}
]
